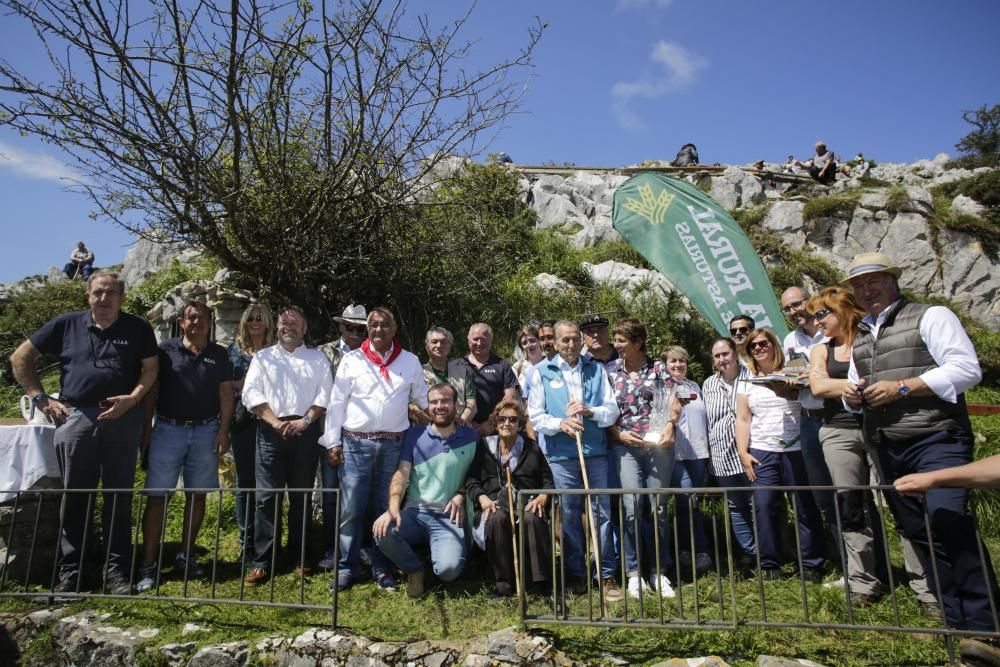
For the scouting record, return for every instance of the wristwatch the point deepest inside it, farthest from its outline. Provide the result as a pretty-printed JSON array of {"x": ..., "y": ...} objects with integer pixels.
[
  {"x": 307, "y": 419},
  {"x": 904, "y": 389},
  {"x": 39, "y": 398}
]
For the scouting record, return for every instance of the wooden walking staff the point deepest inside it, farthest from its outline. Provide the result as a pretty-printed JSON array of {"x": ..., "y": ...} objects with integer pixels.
[
  {"x": 594, "y": 544},
  {"x": 513, "y": 532}
]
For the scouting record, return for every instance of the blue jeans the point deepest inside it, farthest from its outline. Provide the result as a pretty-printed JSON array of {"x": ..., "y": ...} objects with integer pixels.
[
  {"x": 649, "y": 468},
  {"x": 740, "y": 511},
  {"x": 965, "y": 580},
  {"x": 566, "y": 475},
  {"x": 690, "y": 475},
  {"x": 817, "y": 472},
  {"x": 330, "y": 479},
  {"x": 420, "y": 526},
  {"x": 785, "y": 469},
  {"x": 282, "y": 463},
  {"x": 174, "y": 448},
  {"x": 367, "y": 470},
  {"x": 244, "y": 445}
]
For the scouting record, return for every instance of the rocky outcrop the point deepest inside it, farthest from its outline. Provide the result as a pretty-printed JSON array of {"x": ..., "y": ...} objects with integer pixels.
[
  {"x": 945, "y": 262},
  {"x": 227, "y": 306},
  {"x": 151, "y": 254}
]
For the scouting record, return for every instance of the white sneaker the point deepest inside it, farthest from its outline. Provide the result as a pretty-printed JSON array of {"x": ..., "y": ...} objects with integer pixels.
[
  {"x": 661, "y": 585},
  {"x": 635, "y": 587},
  {"x": 838, "y": 583}
]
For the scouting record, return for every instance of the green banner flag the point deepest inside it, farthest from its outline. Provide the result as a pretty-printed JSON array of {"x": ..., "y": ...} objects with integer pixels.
[{"x": 698, "y": 247}]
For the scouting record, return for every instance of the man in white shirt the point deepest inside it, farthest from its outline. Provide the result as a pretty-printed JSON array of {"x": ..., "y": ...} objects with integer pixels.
[
  {"x": 909, "y": 370},
  {"x": 567, "y": 396},
  {"x": 378, "y": 390},
  {"x": 796, "y": 345},
  {"x": 288, "y": 387}
]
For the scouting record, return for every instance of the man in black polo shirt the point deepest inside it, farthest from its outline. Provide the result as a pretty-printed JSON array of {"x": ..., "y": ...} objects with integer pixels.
[
  {"x": 108, "y": 362},
  {"x": 495, "y": 379},
  {"x": 194, "y": 403}
]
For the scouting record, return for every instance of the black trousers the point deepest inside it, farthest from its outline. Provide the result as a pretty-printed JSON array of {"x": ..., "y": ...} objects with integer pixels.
[{"x": 499, "y": 549}]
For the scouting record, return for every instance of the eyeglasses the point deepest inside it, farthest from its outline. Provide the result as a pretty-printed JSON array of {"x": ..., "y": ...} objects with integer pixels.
[
  {"x": 506, "y": 419},
  {"x": 821, "y": 313},
  {"x": 739, "y": 331},
  {"x": 794, "y": 305},
  {"x": 355, "y": 328},
  {"x": 380, "y": 325},
  {"x": 759, "y": 344}
]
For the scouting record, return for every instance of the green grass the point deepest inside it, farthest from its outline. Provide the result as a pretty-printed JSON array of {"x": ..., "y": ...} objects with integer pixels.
[{"x": 835, "y": 205}]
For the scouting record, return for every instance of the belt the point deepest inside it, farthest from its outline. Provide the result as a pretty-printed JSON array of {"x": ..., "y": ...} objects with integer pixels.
[
  {"x": 81, "y": 404},
  {"x": 812, "y": 412},
  {"x": 374, "y": 435},
  {"x": 187, "y": 423},
  {"x": 289, "y": 418}
]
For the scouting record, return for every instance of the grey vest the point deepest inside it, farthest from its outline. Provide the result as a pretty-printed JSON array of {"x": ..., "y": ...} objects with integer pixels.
[{"x": 899, "y": 353}]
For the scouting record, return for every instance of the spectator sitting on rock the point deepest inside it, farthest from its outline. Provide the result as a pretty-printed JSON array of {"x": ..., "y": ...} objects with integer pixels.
[
  {"x": 81, "y": 262},
  {"x": 822, "y": 166},
  {"x": 791, "y": 166}
]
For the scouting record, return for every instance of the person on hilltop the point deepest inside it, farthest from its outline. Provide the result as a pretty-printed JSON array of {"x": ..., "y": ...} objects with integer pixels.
[
  {"x": 822, "y": 166},
  {"x": 81, "y": 262},
  {"x": 288, "y": 387},
  {"x": 494, "y": 377},
  {"x": 909, "y": 370},
  {"x": 570, "y": 397},
  {"x": 193, "y": 401},
  {"x": 432, "y": 470},
  {"x": 353, "y": 327},
  {"x": 109, "y": 360},
  {"x": 379, "y": 390}
]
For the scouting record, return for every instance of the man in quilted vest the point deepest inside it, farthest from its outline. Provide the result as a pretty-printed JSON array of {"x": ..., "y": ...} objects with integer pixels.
[{"x": 910, "y": 367}]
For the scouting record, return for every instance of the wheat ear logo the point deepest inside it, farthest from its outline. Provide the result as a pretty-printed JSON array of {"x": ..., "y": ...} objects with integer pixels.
[{"x": 650, "y": 207}]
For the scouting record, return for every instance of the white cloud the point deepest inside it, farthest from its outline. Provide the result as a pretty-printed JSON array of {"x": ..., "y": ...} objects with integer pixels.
[
  {"x": 674, "y": 68},
  {"x": 639, "y": 4},
  {"x": 35, "y": 164}
]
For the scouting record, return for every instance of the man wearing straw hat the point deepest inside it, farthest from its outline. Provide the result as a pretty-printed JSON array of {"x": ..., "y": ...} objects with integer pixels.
[
  {"x": 910, "y": 367},
  {"x": 572, "y": 403}
]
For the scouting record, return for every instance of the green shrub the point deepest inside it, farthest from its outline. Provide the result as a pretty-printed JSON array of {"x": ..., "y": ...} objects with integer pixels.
[
  {"x": 835, "y": 205},
  {"x": 985, "y": 230},
  {"x": 896, "y": 198},
  {"x": 984, "y": 188},
  {"x": 139, "y": 299}
]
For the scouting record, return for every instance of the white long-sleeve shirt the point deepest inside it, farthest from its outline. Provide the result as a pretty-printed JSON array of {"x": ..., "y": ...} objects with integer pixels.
[
  {"x": 605, "y": 414},
  {"x": 942, "y": 332},
  {"x": 289, "y": 382},
  {"x": 362, "y": 400}
]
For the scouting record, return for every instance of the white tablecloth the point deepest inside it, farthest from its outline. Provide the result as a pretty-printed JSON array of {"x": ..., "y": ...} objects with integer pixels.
[{"x": 27, "y": 454}]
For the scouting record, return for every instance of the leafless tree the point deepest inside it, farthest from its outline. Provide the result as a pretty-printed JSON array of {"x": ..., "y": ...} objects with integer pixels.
[{"x": 286, "y": 138}]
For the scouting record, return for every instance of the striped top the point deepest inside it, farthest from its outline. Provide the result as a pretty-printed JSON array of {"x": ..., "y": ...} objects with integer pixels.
[{"x": 720, "y": 404}]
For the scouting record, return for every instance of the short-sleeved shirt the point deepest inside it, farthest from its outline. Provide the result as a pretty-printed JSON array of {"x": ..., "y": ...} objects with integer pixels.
[
  {"x": 774, "y": 426},
  {"x": 96, "y": 363},
  {"x": 189, "y": 383},
  {"x": 491, "y": 380},
  {"x": 440, "y": 465},
  {"x": 458, "y": 376}
]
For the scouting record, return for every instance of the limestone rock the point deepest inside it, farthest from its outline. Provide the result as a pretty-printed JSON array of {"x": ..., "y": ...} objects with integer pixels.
[
  {"x": 774, "y": 661},
  {"x": 967, "y": 206},
  {"x": 176, "y": 654},
  {"x": 785, "y": 218},
  {"x": 735, "y": 188},
  {"x": 551, "y": 283},
  {"x": 630, "y": 280},
  {"x": 707, "y": 661},
  {"x": 152, "y": 254},
  {"x": 234, "y": 654},
  {"x": 85, "y": 640}
]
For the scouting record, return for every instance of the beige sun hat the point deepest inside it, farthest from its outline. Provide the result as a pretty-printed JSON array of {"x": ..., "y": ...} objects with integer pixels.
[
  {"x": 870, "y": 262},
  {"x": 353, "y": 315}
]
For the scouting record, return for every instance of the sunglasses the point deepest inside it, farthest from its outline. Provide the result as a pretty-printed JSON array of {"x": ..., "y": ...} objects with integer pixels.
[
  {"x": 255, "y": 318},
  {"x": 794, "y": 305},
  {"x": 505, "y": 419},
  {"x": 821, "y": 313},
  {"x": 355, "y": 328},
  {"x": 759, "y": 344},
  {"x": 739, "y": 331}
]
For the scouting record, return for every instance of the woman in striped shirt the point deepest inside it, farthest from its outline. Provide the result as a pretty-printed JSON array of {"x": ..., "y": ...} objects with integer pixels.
[{"x": 719, "y": 392}]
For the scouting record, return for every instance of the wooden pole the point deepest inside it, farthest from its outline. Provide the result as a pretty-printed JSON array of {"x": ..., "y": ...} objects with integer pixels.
[
  {"x": 513, "y": 533},
  {"x": 594, "y": 543}
]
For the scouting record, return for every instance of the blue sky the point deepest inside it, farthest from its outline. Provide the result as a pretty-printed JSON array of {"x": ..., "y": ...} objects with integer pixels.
[{"x": 620, "y": 81}]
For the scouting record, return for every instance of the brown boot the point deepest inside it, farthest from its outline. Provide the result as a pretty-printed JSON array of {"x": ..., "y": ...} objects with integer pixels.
[{"x": 415, "y": 584}]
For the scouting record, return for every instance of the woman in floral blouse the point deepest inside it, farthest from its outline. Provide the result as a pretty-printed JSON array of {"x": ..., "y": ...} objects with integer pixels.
[{"x": 640, "y": 463}]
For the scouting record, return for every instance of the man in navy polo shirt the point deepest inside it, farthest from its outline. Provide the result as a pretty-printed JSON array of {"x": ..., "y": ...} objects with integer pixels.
[
  {"x": 194, "y": 403},
  {"x": 108, "y": 361},
  {"x": 495, "y": 379}
]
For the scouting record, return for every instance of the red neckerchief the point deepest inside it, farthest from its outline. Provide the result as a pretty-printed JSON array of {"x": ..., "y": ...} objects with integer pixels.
[{"x": 376, "y": 358}]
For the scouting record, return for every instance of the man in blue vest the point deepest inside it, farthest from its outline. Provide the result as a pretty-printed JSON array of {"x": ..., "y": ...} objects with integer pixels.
[
  {"x": 910, "y": 367},
  {"x": 570, "y": 396}
]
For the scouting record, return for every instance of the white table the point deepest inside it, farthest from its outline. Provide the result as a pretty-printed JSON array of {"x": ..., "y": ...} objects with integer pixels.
[{"x": 27, "y": 454}]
